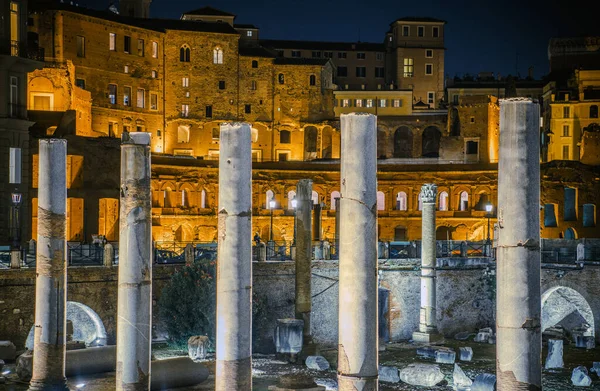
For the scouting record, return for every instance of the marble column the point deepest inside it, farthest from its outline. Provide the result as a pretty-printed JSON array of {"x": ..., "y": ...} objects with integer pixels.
[
  {"x": 518, "y": 308},
  {"x": 134, "y": 310},
  {"x": 427, "y": 317},
  {"x": 358, "y": 310},
  {"x": 304, "y": 254},
  {"x": 234, "y": 264},
  {"x": 49, "y": 347}
]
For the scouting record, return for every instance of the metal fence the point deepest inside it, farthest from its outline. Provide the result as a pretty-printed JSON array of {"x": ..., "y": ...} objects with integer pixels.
[{"x": 85, "y": 254}]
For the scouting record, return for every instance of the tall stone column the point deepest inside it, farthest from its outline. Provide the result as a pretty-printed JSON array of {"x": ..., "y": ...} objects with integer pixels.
[
  {"x": 358, "y": 336},
  {"x": 134, "y": 311},
  {"x": 518, "y": 308},
  {"x": 234, "y": 264},
  {"x": 427, "y": 320},
  {"x": 51, "y": 269},
  {"x": 304, "y": 254}
]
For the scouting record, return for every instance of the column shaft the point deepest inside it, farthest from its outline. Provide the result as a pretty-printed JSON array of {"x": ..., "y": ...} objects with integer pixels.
[
  {"x": 303, "y": 253},
  {"x": 234, "y": 265},
  {"x": 134, "y": 311},
  {"x": 51, "y": 272},
  {"x": 427, "y": 322},
  {"x": 518, "y": 308},
  {"x": 358, "y": 345}
]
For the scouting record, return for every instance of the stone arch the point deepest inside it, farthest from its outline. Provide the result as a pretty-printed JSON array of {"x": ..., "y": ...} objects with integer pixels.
[
  {"x": 42, "y": 97},
  {"x": 403, "y": 142},
  {"x": 87, "y": 326},
  {"x": 310, "y": 142},
  {"x": 570, "y": 233},
  {"x": 327, "y": 143},
  {"x": 431, "y": 142},
  {"x": 563, "y": 304},
  {"x": 443, "y": 232}
]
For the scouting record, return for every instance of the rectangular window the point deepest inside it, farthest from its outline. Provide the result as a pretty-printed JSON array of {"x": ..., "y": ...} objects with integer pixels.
[
  {"x": 127, "y": 44},
  {"x": 382, "y": 103},
  {"x": 358, "y": 103},
  {"x": 15, "y": 166},
  {"x": 565, "y": 130},
  {"x": 589, "y": 215},
  {"x": 361, "y": 71},
  {"x": 253, "y": 85},
  {"x": 14, "y": 96},
  {"x": 112, "y": 41},
  {"x": 80, "y": 83},
  {"x": 126, "y": 69},
  {"x": 153, "y": 101},
  {"x": 316, "y": 54},
  {"x": 379, "y": 72},
  {"x": 15, "y": 26},
  {"x": 397, "y": 103},
  {"x": 421, "y": 31},
  {"x": 342, "y": 71},
  {"x": 112, "y": 93},
  {"x": 154, "y": 49},
  {"x": 247, "y": 109},
  {"x": 141, "y": 97},
  {"x": 185, "y": 110},
  {"x": 341, "y": 54},
  {"x": 429, "y": 69},
  {"x": 80, "y": 46},
  {"x": 472, "y": 148},
  {"x": 570, "y": 206},
  {"x": 328, "y": 54},
  {"x": 566, "y": 112},
  {"x": 126, "y": 96},
  {"x": 248, "y": 33},
  {"x": 565, "y": 152},
  {"x": 408, "y": 67},
  {"x": 405, "y": 31},
  {"x": 185, "y": 81},
  {"x": 140, "y": 47},
  {"x": 296, "y": 53},
  {"x": 221, "y": 84},
  {"x": 345, "y": 102},
  {"x": 429, "y": 53},
  {"x": 436, "y": 32},
  {"x": 431, "y": 97},
  {"x": 369, "y": 103},
  {"x": 379, "y": 56},
  {"x": 361, "y": 56},
  {"x": 455, "y": 99},
  {"x": 209, "y": 112},
  {"x": 549, "y": 215}
]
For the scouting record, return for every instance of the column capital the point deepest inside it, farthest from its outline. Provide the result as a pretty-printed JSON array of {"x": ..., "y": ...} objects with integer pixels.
[{"x": 428, "y": 192}]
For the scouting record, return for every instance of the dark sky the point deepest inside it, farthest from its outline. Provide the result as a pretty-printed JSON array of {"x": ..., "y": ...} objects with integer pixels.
[{"x": 496, "y": 36}]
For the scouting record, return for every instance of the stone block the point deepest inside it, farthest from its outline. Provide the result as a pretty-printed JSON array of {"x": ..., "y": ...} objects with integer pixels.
[
  {"x": 596, "y": 368},
  {"x": 585, "y": 342},
  {"x": 555, "y": 354},
  {"x": 8, "y": 351},
  {"x": 445, "y": 356},
  {"x": 288, "y": 335},
  {"x": 317, "y": 362},
  {"x": 580, "y": 377},
  {"x": 460, "y": 379},
  {"x": 389, "y": 374},
  {"x": 418, "y": 336},
  {"x": 484, "y": 382},
  {"x": 198, "y": 347},
  {"x": 426, "y": 375},
  {"x": 484, "y": 335},
  {"x": 24, "y": 365},
  {"x": 466, "y": 353},
  {"x": 426, "y": 351},
  {"x": 75, "y": 345},
  {"x": 329, "y": 384}
]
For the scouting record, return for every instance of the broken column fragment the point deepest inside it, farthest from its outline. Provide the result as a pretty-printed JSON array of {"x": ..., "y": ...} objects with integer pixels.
[
  {"x": 234, "y": 264},
  {"x": 518, "y": 309},
  {"x": 51, "y": 269},
  {"x": 134, "y": 312},
  {"x": 358, "y": 310}
]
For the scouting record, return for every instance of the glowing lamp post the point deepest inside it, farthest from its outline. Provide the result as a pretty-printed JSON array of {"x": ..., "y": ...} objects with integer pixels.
[
  {"x": 271, "y": 207},
  {"x": 16, "y": 234},
  {"x": 488, "y": 213}
]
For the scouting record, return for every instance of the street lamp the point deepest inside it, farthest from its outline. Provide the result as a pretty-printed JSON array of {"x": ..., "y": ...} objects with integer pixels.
[
  {"x": 271, "y": 206},
  {"x": 488, "y": 213},
  {"x": 15, "y": 224}
]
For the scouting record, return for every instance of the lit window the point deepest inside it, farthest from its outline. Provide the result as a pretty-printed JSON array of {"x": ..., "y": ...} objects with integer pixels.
[
  {"x": 429, "y": 69},
  {"x": 218, "y": 56},
  {"x": 397, "y": 103},
  {"x": 185, "y": 81},
  {"x": 154, "y": 49},
  {"x": 358, "y": 103},
  {"x": 431, "y": 98},
  {"x": 183, "y": 134},
  {"x": 126, "y": 69},
  {"x": 565, "y": 131},
  {"x": 345, "y": 102},
  {"x": 248, "y": 33},
  {"x": 153, "y": 101},
  {"x": 140, "y": 47},
  {"x": 15, "y": 166},
  {"x": 112, "y": 41},
  {"x": 382, "y": 102},
  {"x": 281, "y": 78},
  {"x": 401, "y": 201},
  {"x": 443, "y": 202},
  {"x": 253, "y": 85},
  {"x": 141, "y": 97},
  {"x": 80, "y": 46},
  {"x": 15, "y": 27},
  {"x": 369, "y": 103},
  {"x": 127, "y": 96},
  {"x": 185, "y": 111},
  {"x": 112, "y": 93},
  {"x": 154, "y": 74},
  {"x": 408, "y": 67}
]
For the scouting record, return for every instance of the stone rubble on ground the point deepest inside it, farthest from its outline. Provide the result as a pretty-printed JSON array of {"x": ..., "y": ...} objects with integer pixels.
[
  {"x": 580, "y": 377},
  {"x": 585, "y": 342},
  {"x": 8, "y": 351},
  {"x": 389, "y": 374},
  {"x": 427, "y": 375},
  {"x": 484, "y": 382},
  {"x": 460, "y": 379},
  {"x": 426, "y": 351},
  {"x": 463, "y": 335},
  {"x": 445, "y": 356},
  {"x": 317, "y": 362},
  {"x": 596, "y": 368},
  {"x": 555, "y": 354},
  {"x": 329, "y": 384},
  {"x": 198, "y": 347},
  {"x": 466, "y": 353},
  {"x": 484, "y": 335},
  {"x": 24, "y": 365}
]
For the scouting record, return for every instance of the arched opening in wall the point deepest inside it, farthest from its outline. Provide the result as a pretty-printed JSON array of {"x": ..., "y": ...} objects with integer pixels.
[
  {"x": 285, "y": 137},
  {"x": 461, "y": 232},
  {"x": 589, "y": 215},
  {"x": 401, "y": 199},
  {"x": 482, "y": 202},
  {"x": 463, "y": 202},
  {"x": 565, "y": 307},
  {"x": 431, "y": 142},
  {"x": 203, "y": 199},
  {"x": 269, "y": 196},
  {"x": 403, "y": 141},
  {"x": 443, "y": 233},
  {"x": 183, "y": 134},
  {"x": 327, "y": 143},
  {"x": 400, "y": 233},
  {"x": 454, "y": 122},
  {"x": 87, "y": 326},
  {"x": 334, "y": 195},
  {"x": 310, "y": 143},
  {"x": 443, "y": 201},
  {"x": 570, "y": 233},
  {"x": 184, "y": 53},
  {"x": 41, "y": 95},
  {"x": 312, "y": 80},
  {"x": 550, "y": 215},
  {"x": 291, "y": 197},
  {"x": 167, "y": 198},
  {"x": 380, "y": 200},
  {"x": 315, "y": 197},
  {"x": 381, "y": 144}
]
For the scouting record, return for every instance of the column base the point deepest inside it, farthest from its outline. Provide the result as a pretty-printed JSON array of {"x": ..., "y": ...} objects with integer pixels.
[
  {"x": 429, "y": 337},
  {"x": 47, "y": 386}
]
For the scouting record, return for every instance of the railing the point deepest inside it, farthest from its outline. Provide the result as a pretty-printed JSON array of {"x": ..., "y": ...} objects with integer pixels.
[
  {"x": 559, "y": 255},
  {"x": 5, "y": 256},
  {"x": 279, "y": 251},
  {"x": 85, "y": 254},
  {"x": 18, "y": 49}
]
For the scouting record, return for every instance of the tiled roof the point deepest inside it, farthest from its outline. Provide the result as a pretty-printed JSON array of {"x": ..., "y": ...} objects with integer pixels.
[
  {"x": 419, "y": 19},
  {"x": 320, "y": 45},
  {"x": 256, "y": 51}
]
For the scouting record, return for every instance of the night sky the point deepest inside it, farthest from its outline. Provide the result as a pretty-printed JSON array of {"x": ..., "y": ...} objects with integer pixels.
[{"x": 506, "y": 37}]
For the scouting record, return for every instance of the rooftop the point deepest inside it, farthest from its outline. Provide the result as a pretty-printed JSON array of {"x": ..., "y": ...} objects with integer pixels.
[
  {"x": 424, "y": 19},
  {"x": 319, "y": 45},
  {"x": 208, "y": 11}
]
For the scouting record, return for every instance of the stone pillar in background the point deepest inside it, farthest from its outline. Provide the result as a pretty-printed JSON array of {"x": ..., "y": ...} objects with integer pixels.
[
  {"x": 134, "y": 312},
  {"x": 518, "y": 309},
  {"x": 337, "y": 227},
  {"x": 109, "y": 255},
  {"x": 303, "y": 254},
  {"x": 358, "y": 336},
  {"x": 427, "y": 320},
  {"x": 188, "y": 254},
  {"x": 234, "y": 265},
  {"x": 49, "y": 345}
]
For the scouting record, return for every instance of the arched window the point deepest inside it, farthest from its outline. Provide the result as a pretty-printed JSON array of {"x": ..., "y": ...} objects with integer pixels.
[
  {"x": 203, "y": 199},
  {"x": 281, "y": 78},
  {"x": 183, "y": 134},
  {"x": 431, "y": 142},
  {"x": 334, "y": 195},
  {"x": 185, "y": 201},
  {"x": 270, "y": 197},
  {"x": 167, "y": 198},
  {"x": 443, "y": 201},
  {"x": 570, "y": 233},
  {"x": 593, "y": 111},
  {"x": 380, "y": 200},
  {"x": 315, "y": 197},
  {"x": 285, "y": 137},
  {"x": 184, "y": 53},
  {"x": 401, "y": 201},
  {"x": 313, "y": 80},
  {"x": 291, "y": 198},
  {"x": 464, "y": 201},
  {"x": 254, "y": 64},
  {"x": 403, "y": 141},
  {"x": 218, "y": 55}
]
